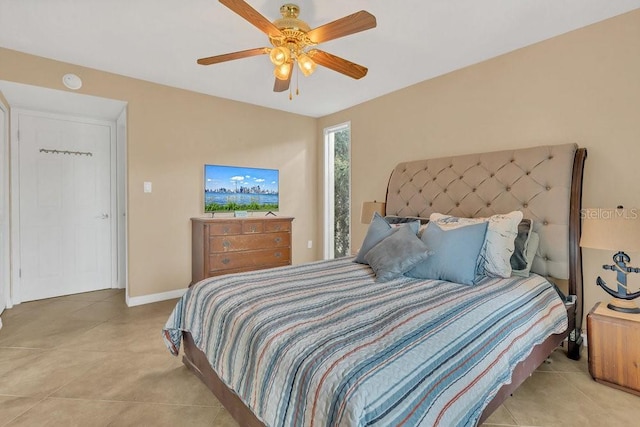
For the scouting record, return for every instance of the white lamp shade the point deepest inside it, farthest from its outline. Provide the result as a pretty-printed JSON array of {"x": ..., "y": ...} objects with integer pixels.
[
  {"x": 369, "y": 208},
  {"x": 611, "y": 229}
]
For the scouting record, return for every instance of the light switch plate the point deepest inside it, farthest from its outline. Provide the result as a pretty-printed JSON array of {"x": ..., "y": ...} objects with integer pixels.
[{"x": 147, "y": 187}]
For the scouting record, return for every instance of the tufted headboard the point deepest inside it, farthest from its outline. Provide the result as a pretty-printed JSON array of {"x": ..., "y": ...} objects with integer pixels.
[{"x": 544, "y": 182}]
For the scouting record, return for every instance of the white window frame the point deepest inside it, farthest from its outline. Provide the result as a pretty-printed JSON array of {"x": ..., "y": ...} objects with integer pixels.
[
  {"x": 5, "y": 251},
  {"x": 329, "y": 181}
]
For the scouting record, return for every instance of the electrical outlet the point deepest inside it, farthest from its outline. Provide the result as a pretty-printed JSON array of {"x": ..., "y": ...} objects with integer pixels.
[
  {"x": 147, "y": 187},
  {"x": 309, "y": 244}
]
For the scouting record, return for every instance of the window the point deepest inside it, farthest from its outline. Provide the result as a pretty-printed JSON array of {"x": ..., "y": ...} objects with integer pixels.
[{"x": 337, "y": 191}]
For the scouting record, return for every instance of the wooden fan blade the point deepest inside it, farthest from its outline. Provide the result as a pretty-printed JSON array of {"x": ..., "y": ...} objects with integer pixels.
[
  {"x": 231, "y": 56},
  {"x": 282, "y": 85},
  {"x": 338, "y": 64},
  {"x": 351, "y": 24},
  {"x": 243, "y": 9}
]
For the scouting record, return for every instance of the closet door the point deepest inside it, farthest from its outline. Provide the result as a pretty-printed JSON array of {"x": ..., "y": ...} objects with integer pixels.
[{"x": 65, "y": 206}]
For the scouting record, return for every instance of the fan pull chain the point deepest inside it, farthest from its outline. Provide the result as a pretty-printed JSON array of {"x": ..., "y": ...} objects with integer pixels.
[{"x": 293, "y": 70}]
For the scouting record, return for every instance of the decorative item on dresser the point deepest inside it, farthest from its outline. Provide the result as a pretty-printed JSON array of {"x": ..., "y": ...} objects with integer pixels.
[
  {"x": 617, "y": 230},
  {"x": 231, "y": 245},
  {"x": 614, "y": 348}
]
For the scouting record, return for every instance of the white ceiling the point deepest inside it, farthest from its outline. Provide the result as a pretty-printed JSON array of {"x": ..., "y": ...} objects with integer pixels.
[
  {"x": 57, "y": 101},
  {"x": 415, "y": 40}
]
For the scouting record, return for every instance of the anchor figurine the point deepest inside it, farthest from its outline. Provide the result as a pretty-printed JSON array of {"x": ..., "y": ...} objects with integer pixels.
[{"x": 622, "y": 298}]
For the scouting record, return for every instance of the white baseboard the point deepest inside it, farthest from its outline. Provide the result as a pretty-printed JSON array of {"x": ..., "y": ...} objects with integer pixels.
[{"x": 148, "y": 299}]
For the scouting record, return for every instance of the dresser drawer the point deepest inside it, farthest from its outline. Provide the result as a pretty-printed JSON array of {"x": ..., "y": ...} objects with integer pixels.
[
  {"x": 252, "y": 227},
  {"x": 245, "y": 242},
  {"x": 225, "y": 228},
  {"x": 274, "y": 225},
  {"x": 258, "y": 258}
]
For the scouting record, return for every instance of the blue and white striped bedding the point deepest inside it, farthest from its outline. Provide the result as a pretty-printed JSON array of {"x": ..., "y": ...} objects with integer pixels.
[{"x": 322, "y": 344}]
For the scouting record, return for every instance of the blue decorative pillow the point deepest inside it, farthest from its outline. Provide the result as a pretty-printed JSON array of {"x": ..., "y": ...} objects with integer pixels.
[
  {"x": 454, "y": 253},
  {"x": 378, "y": 230},
  {"x": 396, "y": 254},
  {"x": 495, "y": 256}
]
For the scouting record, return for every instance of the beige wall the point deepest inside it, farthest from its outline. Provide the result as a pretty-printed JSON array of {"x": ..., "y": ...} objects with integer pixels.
[
  {"x": 581, "y": 87},
  {"x": 171, "y": 134}
]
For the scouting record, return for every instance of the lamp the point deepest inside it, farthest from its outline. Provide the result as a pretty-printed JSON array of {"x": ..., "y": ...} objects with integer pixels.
[
  {"x": 306, "y": 64},
  {"x": 369, "y": 208},
  {"x": 279, "y": 55},
  {"x": 282, "y": 71},
  {"x": 614, "y": 229},
  {"x": 282, "y": 57}
]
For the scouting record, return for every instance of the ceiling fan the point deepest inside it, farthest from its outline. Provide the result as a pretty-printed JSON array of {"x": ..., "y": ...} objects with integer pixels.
[{"x": 291, "y": 39}]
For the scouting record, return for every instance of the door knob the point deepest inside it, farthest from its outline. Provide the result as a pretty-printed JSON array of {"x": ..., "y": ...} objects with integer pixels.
[{"x": 103, "y": 216}]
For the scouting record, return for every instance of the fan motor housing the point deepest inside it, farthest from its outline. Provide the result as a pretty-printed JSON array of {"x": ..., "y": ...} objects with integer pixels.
[{"x": 289, "y": 20}]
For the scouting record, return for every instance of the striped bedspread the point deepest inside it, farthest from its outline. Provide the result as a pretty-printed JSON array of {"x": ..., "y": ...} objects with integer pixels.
[{"x": 322, "y": 344}]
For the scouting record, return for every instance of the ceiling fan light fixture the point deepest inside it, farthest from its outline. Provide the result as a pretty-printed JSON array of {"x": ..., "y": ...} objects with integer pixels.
[
  {"x": 283, "y": 71},
  {"x": 279, "y": 55},
  {"x": 292, "y": 40},
  {"x": 306, "y": 64}
]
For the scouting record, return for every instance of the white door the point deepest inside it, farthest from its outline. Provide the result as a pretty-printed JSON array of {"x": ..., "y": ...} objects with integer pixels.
[{"x": 65, "y": 206}]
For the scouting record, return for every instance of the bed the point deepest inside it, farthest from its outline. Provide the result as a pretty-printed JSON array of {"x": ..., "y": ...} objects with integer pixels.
[{"x": 324, "y": 343}]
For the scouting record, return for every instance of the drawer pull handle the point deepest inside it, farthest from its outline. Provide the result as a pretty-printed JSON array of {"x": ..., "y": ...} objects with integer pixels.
[
  {"x": 252, "y": 229},
  {"x": 226, "y": 261},
  {"x": 277, "y": 254},
  {"x": 225, "y": 230},
  {"x": 278, "y": 239},
  {"x": 226, "y": 244},
  {"x": 277, "y": 228}
]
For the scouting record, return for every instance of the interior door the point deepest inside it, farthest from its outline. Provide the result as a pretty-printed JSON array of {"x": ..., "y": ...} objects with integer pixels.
[{"x": 65, "y": 206}]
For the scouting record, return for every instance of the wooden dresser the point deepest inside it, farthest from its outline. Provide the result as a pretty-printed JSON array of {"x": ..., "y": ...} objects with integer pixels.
[
  {"x": 231, "y": 245},
  {"x": 613, "y": 340}
]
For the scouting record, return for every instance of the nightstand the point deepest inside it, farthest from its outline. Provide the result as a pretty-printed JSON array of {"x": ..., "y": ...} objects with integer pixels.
[{"x": 613, "y": 340}]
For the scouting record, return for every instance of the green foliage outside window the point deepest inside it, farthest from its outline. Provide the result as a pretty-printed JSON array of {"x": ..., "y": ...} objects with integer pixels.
[{"x": 342, "y": 185}]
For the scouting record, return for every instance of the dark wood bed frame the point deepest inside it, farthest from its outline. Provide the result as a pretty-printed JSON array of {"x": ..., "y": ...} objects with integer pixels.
[{"x": 197, "y": 361}]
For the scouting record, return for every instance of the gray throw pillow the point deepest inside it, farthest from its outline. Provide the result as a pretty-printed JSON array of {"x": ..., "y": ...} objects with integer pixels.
[
  {"x": 377, "y": 231},
  {"x": 530, "y": 252},
  {"x": 453, "y": 253},
  {"x": 519, "y": 258},
  {"x": 391, "y": 219},
  {"x": 396, "y": 254}
]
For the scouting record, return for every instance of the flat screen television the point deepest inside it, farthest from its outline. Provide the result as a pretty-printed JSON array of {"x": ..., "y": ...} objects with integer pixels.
[{"x": 235, "y": 188}]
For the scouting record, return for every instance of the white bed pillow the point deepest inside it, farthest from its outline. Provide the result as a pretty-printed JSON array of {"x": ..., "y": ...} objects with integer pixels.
[{"x": 495, "y": 255}]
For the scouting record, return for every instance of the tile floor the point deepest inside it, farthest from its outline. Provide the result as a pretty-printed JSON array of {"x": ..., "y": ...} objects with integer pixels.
[{"x": 89, "y": 360}]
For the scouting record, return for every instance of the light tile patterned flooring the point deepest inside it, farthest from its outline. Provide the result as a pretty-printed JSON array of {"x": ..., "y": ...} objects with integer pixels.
[{"x": 89, "y": 360}]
